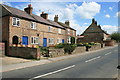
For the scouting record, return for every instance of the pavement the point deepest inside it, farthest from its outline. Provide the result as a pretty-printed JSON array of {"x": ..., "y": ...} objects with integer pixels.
[
  {"x": 10, "y": 63},
  {"x": 95, "y": 64}
]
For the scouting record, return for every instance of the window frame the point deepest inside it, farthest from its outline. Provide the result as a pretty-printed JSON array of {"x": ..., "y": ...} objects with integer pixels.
[
  {"x": 34, "y": 25},
  {"x": 59, "y": 31},
  {"x": 16, "y": 20},
  {"x": 51, "y": 42},
  {"x": 49, "y": 29},
  {"x": 68, "y": 31},
  {"x": 34, "y": 40}
]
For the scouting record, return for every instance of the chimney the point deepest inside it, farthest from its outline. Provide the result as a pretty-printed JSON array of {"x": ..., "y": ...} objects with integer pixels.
[
  {"x": 93, "y": 20},
  {"x": 29, "y": 9},
  {"x": 56, "y": 18},
  {"x": 44, "y": 15},
  {"x": 96, "y": 22},
  {"x": 67, "y": 23}
]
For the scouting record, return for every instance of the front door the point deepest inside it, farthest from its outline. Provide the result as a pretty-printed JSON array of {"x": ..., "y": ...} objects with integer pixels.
[
  {"x": 44, "y": 42},
  {"x": 25, "y": 40},
  {"x": 62, "y": 40}
]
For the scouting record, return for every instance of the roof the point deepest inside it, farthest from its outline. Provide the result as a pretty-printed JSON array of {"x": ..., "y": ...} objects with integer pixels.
[
  {"x": 95, "y": 25},
  {"x": 66, "y": 26},
  {"x": 22, "y": 14}
]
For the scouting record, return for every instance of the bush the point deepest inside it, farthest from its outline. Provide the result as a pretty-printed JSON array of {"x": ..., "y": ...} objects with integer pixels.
[
  {"x": 44, "y": 51},
  {"x": 58, "y": 46},
  {"x": 69, "y": 48}
]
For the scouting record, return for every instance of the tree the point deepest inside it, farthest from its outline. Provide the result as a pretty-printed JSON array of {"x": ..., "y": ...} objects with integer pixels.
[{"x": 115, "y": 36}]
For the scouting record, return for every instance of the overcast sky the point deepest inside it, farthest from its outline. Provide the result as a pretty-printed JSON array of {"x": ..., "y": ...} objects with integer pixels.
[{"x": 78, "y": 13}]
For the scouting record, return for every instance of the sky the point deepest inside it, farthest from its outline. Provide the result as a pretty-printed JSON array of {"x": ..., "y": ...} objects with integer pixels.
[{"x": 79, "y": 14}]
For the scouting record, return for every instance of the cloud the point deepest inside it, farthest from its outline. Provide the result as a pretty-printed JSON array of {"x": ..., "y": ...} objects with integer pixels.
[
  {"x": 107, "y": 16},
  {"x": 88, "y": 10},
  {"x": 111, "y": 8},
  {"x": 7, "y": 3},
  {"x": 110, "y": 28}
]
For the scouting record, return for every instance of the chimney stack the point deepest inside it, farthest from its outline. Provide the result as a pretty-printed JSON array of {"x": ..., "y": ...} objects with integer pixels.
[
  {"x": 44, "y": 15},
  {"x": 67, "y": 23},
  {"x": 96, "y": 22},
  {"x": 93, "y": 20},
  {"x": 56, "y": 18},
  {"x": 29, "y": 9}
]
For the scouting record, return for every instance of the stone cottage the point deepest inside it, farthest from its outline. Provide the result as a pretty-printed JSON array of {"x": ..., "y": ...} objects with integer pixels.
[
  {"x": 23, "y": 27},
  {"x": 93, "y": 33}
]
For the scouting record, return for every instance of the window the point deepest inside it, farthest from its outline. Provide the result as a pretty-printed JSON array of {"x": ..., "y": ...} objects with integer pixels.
[
  {"x": 59, "y": 31},
  {"x": 33, "y": 25},
  {"x": 68, "y": 31},
  {"x": 73, "y": 33},
  {"x": 16, "y": 21},
  {"x": 49, "y": 29},
  {"x": 69, "y": 40},
  {"x": 34, "y": 40},
  {"x": 59, "y": 41},
  {"x": 51, "y": 41}
]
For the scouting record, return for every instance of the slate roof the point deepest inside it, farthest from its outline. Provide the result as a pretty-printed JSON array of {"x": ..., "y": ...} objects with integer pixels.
[
  {"x": 22, "y": 14},
  {"x": 66, "y": 26}
]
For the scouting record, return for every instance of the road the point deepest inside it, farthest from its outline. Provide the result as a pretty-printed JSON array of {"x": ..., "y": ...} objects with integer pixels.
[{"x": 100, "y": 64}]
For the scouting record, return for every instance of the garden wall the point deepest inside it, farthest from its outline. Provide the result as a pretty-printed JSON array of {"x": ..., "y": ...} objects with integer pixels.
[
  {"x": 24, "y": 52},
  {"x": 79, "y": 50},
  {"x": 56, "y": 52},
  {"x": 95, "y": 47},
  {"x": 109, "y": 43},
  {"x": 2, "y": 49}
]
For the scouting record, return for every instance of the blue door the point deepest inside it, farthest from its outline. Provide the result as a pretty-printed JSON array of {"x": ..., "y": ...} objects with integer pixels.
[
  {"x": 62, "y": 40},
  {"x": 25, "y": 40},
  {"x": 44, "y": 42}
]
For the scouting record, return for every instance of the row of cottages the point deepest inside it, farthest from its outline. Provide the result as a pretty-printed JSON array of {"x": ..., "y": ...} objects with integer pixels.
[
  {"x": 93, "y": 33},
  {"x": 23, "y": 27}
]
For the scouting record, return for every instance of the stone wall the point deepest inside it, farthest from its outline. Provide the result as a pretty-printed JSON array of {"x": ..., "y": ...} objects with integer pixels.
[
  {"x": 95, "y": 47},
  {"x": 24, "y": 52},
  {"x": 79, "y": 50},
  {"x": 109, "y": 43},
  {"x": 2, "y": 49},
  {"x": 56, "y": 52}
]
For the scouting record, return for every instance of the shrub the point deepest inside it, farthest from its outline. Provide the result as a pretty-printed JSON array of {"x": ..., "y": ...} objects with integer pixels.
[
  {"x": 59, "y": 46},
  {"x": 44, "y": 51},
  {"x": 69, "y": 48}
]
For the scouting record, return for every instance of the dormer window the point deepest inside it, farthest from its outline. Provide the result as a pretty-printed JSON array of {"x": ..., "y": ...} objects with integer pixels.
[
  {"x": 33, "y": 25},
  {"x": 49, "y": 29},
  {"x": 16, "y": 21}
]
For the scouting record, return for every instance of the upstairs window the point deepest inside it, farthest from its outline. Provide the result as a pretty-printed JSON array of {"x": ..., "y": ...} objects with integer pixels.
[
  {"x": 59, "y": 31},
  {"x": 16, "y": 21},
  {"x": 34, "y": 40},
  {"x": 33, "y": 25},
  {"x": 49, "y": 29},
  {"x": 68, "y": 31},
  {"x": 51, "y": 41}
]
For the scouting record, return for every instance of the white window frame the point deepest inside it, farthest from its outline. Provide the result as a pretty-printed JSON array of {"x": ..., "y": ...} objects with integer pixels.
[
  {"x": 68, "y": 31},
  {"x": 34, "y": 25},
  {"x": 16, "y": 20},
  {"x": 69, "y": 40},
  {"x": 59, "y": 31},
  {"x": 51, "y": 41},
  {"x": 59, "y": 41},
  {"x": 35, "y": 40},
  {"x": 49, "y": 29}
]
